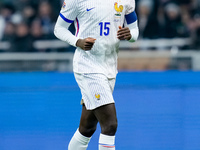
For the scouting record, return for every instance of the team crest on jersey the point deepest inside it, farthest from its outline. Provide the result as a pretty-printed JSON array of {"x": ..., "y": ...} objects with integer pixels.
[
  {"x": 97, "y": 96},
  {"x": 64, "y": 5},
  {"x": 118, "y": 9}
]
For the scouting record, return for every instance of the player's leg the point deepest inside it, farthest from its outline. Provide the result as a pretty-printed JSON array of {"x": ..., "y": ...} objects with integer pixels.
[
  {"x": 96, "y": 90},
  {"x": 88, "y": 122},
  {"x": 106, "y": 115},
  {"x": 87, "y": 127}
]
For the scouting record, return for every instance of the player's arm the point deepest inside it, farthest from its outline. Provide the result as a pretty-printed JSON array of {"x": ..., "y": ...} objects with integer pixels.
[
  {"x": 61, "y": 31},
  {"x": 66, "y": 17},
  {"x": 130, "y": 32},
  {"x": 68, "y": 14}
]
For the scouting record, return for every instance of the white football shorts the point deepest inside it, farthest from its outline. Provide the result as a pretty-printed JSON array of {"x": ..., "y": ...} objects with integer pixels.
[{"x": 96, "y": 89}]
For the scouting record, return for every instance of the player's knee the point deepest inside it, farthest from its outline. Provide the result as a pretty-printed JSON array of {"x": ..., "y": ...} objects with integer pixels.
[
  {"x": 88, "y": 132},
  {"x": 110, "y": 128}
]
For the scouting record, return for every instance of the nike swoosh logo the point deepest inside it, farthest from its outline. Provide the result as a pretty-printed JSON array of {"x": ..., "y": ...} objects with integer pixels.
[{"x": 90, "y": 8}]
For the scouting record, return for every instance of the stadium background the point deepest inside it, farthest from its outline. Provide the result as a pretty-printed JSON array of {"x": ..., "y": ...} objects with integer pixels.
[{"x": 157, "y": 90}]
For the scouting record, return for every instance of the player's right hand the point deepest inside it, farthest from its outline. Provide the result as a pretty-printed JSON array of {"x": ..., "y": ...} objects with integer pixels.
[
  {"x": 86, "y": 44},
  {"x": 123, "y": 33}
]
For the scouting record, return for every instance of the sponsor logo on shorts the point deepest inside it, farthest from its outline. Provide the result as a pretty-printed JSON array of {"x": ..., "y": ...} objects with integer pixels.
[{"x": 97, "y": 96}]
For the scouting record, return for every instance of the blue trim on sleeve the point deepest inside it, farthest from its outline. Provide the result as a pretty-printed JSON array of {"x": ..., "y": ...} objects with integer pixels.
[
  {"x": 65, "y": 19},
  {"x": 130, "y": 18}
]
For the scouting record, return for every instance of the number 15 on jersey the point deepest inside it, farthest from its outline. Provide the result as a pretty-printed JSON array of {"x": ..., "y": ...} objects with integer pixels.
[{"x": 104, "y": 28}]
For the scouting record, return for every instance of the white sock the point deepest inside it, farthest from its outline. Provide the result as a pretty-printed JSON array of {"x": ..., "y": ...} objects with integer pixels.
[
  {"x": 78, "y": 142},
  {"x": 106, "y": 142}
]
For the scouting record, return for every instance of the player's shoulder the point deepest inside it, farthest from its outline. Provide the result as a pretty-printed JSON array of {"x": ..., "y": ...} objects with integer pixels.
[
  {"x": 69, "y": 4},
  {"x": 69, "y": 1},
  {"x": 130, "y": 6},
  {"x": 131, "y": 2}
]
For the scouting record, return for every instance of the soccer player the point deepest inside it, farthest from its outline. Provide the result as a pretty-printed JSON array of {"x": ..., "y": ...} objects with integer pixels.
[{"x": 100, "y": 25}]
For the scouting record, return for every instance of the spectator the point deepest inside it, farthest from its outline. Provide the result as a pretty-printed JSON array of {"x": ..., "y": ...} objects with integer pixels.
[
  {"x": 46, "y": 17},
  {"x": 148, "y": 24},
  {"x": 6, "y": 14},
  {"x": 2, "y": 26},
  {"x": 29, "y": 14},
  {"x": 8, "y": 36},
  {"x": 196, "y": 34},
  {"x": 173, "y": 25},
  {"x": 22, "y": 41},
  {"x": 9, "y": 32},
  {"x": 36, "y": 31},
  {"x": 36, "y": 34}
]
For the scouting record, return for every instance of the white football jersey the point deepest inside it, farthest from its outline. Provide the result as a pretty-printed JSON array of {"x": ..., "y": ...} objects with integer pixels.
[{"x": 99, "y": 19}]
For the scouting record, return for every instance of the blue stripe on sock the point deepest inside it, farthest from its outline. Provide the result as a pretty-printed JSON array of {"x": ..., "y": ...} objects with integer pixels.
[{"x": 106, "y": 144}]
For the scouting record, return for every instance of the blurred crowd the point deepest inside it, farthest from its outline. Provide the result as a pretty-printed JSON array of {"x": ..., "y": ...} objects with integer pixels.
[
  {"x": 170, "y": 19},
  {"x": 22, "y": 22}
]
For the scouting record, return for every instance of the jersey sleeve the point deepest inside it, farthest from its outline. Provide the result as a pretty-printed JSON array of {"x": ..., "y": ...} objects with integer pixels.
[
  {"x": 131, "y": 7},
  {"x": 69, "y": 11},
  {"x": 130, "y": 14},
  {"x": 131, "y": 21}
]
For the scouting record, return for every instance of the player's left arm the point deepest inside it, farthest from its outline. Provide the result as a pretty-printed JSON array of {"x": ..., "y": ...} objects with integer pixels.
[{"x": 130, "y": 32}]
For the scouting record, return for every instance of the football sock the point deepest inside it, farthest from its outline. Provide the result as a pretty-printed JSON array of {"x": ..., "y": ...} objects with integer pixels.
[
  {"x": 78, "y": 142},
  {"x": 106, "y": 142}
]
